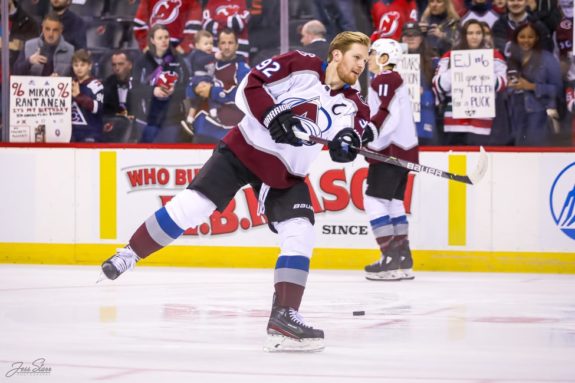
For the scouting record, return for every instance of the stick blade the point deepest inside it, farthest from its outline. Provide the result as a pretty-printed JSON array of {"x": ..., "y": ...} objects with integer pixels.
[{"x": 481, "y": 167}]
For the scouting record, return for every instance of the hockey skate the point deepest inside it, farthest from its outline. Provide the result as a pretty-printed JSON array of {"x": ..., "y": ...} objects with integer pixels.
[
  {"x": 124, "y": 260},
  {"x": 287, "y": 331},
  {"x": 387, "y": 268},
  {"x": 406, "y": 261}
]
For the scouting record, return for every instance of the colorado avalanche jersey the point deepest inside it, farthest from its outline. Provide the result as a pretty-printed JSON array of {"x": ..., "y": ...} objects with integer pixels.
[
  {"x": 87, "y": 106},
  {"x": 298, "y": 80},
  {"x": 391, "y": 113}
]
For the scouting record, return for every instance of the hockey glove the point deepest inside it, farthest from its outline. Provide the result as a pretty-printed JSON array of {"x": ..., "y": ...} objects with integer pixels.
[
  {"x": 280, "y": 121},
  {"x": 344, "y": 146},
  {"x": 370, "y": 133}
]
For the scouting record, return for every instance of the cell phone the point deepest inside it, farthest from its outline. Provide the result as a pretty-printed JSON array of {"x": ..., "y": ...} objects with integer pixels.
[
  {"x": 512, "y": 75},
  {"x": 44, "y": 50}
]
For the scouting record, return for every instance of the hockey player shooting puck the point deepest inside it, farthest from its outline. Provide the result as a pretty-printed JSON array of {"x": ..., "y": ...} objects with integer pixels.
[{"x": 358, "y": 313}]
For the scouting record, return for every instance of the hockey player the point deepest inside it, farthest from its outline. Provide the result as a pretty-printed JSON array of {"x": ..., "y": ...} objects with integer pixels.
[
  {"x": 392, "y": 115},
  {"x": 295, "y": 90}
]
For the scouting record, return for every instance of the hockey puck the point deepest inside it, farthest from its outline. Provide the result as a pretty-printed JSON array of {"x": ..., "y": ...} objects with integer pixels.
[{"x": 358, "y": 313}]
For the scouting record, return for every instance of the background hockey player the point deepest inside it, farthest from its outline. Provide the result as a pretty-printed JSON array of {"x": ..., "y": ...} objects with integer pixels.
[
  {"x": 392, "y": 115},
  {"x": 293, "y": 90}
]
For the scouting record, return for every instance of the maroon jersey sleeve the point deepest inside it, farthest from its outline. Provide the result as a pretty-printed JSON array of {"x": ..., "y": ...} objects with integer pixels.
[
  {"x": 385, "y": 85},
  {"x": 273, "y": 70},
  {"x": 361, "y": 118}
]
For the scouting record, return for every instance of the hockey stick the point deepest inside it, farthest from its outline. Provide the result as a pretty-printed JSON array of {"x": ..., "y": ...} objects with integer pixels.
[{"x": 472, "y": 179}]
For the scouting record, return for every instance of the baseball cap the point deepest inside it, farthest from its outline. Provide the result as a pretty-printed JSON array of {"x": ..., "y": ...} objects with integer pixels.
[{"x": 411, "y": 28}]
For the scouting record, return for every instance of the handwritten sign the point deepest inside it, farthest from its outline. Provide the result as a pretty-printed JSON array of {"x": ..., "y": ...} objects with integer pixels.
[
  {"x": 473, "y": 83},
  {"x": 40, "y": 109},
  {"x": 409, "y": 69}
]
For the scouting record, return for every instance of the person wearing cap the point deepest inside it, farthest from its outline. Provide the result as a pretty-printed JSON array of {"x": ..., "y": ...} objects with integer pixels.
[{"x": 412, "y": 35}]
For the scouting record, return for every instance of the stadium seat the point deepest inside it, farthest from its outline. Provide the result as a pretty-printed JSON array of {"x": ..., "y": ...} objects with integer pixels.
[
  {"x": 117, "y": 129},
  {"x": 88, "y": 9},
  {"x": 103, "y": 34},
  {"x": 121, "y": 8}
]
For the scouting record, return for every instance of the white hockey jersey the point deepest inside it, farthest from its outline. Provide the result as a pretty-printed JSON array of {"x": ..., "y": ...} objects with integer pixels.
[
  {"x": 297, "y": 79},
  {"x": 391, "y": 113}
]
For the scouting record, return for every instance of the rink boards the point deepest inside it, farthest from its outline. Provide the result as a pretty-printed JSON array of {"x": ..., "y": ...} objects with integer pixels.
[{"x": 76, "y": 205}]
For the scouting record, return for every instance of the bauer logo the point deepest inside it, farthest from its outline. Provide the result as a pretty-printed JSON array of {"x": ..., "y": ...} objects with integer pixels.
[{"x": 562, "y": 200}]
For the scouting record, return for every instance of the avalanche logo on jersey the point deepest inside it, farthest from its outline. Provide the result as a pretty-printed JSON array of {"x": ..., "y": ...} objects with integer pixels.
[
  {"x": 389, "y": 23},
  {"x": 562, "y": 200},
  {"x": 77, "y": 115},
  {"x": 313, "y": 117},
  {"x": 165, "y": 12}
]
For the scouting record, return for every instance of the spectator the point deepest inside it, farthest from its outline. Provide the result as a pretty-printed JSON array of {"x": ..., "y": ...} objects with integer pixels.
[
  {"x": 182, "y": 19},
  {"x": 202, "y": 65},
  {"x": 487, "y": 35},
  {"x": 426, "y": 127},
  {"x": 74, "y": 26},
  {"x": 47, "y": 55},
  {"x": 389, "y": 16},
  {"x": 517, "y": 14},
  {"x": 480, "y": 10},
  {"x": 23, "y": 27},
  {"x": 534, "y": 88},
  {"x": 118, "y": 89},
  {"x": 547, "y": 11},
  {"x": 499, "y": 6},
  {"x": 229, "y": 72},
  {"x": 160, "y": 79},
  {"x": 313, "y": 39},
  {"x": 336, "y": 15},
  {"x": 233, "y": 14},
  {"x": 87, "y": 100},
  {"x": 467, "y": 131},
  {"x": 439, "y": 23}
]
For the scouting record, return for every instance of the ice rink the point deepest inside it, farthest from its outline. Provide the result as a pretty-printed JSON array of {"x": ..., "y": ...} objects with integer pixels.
[{"x": 208, "y": 325}]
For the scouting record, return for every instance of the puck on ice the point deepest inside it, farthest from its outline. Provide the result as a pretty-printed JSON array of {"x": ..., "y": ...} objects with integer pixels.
[{"x": 358, "y": 313}]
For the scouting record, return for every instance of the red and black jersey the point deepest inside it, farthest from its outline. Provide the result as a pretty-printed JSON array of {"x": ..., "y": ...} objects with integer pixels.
[
  {"x": 174, "y": 14},
  {"x": 389, "y": 17}
]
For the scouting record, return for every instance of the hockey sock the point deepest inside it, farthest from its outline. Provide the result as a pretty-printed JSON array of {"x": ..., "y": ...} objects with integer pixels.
[
  {"x": 290, "y": 278},
  {"x": 377, "y": 210},
  {"x": 156, "y": 232},
  {"x": 188, "y": 208},
  {"x": 297, "y": 239},
  {"x": 399, "y": 222}
]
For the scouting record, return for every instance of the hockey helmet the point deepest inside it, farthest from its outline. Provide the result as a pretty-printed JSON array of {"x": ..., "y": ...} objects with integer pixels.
[{"x": 389, "y": 47}]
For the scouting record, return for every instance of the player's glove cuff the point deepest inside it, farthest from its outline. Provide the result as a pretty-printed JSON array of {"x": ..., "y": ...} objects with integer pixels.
[
  {"x": 280, "y": 122},
  {"x": 345, "y": 145},
  {"x": 370, "y": 134}
]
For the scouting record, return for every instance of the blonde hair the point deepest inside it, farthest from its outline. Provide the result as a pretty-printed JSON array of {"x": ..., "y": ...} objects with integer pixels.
[
  {"x": 344, "y": 40},
  {"x": 449, "y": 7}
]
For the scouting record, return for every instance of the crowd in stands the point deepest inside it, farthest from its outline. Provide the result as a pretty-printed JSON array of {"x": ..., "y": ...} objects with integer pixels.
[{"x": 165, "y": 71}]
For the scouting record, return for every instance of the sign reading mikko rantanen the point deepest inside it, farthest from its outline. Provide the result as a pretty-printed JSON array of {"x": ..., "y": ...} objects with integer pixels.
[{"x": 40, "y": 109}]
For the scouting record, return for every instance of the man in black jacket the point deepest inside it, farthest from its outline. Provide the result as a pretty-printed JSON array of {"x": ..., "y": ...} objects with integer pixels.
[
  {"x": 74, "y": 25},
  {"x": 118, "y": 87},
  {"x": 313, "y": 39}
]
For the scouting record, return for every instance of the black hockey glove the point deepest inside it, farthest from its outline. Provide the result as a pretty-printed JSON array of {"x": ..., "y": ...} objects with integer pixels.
[
  {"x": 370, "y": 133},
  {"x": 280, "y": 121},
  {"x": 344, "y": 146}
]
